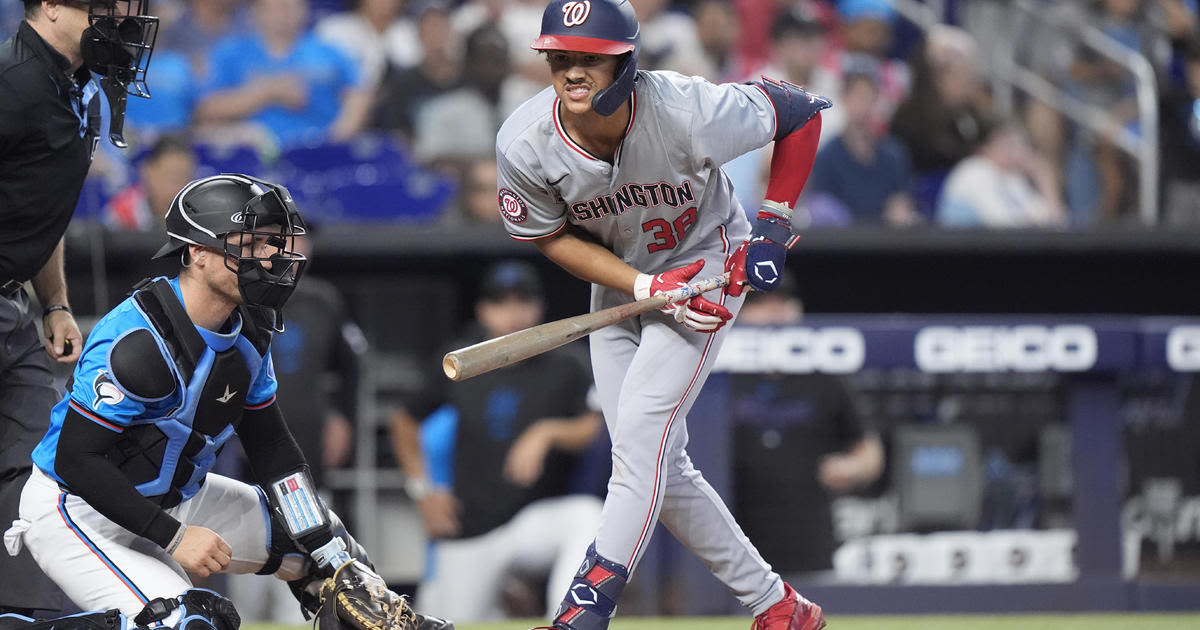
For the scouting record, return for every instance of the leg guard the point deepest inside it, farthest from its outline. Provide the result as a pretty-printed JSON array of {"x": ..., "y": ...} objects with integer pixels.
[
  {"x": 592, "y": 598},
  {"x": 199, "y": 609},
  {"x": 110, "y": 620}
]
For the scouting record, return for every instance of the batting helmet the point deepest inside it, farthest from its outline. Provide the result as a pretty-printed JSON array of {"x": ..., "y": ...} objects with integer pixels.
[
  {"x": 210, "y": 210},
  {"x": 606, "y": 27}
]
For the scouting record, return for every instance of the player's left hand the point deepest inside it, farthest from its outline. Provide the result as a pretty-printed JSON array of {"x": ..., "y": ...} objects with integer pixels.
[
  {"x": 356, "y": 598},
  {"x": 63, "y": 340},
  {"x": 759, "y": 261}
]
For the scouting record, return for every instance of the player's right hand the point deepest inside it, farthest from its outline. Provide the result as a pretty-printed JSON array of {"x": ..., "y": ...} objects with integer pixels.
[
  {"x": 696, "y": 313},
  {"x": 647, "y": 285},
  {"x": 202, "y": 551}
]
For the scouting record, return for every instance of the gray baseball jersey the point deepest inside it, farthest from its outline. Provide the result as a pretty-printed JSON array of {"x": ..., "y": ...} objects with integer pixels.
[
  {"x": 662, "y": 203},
  {"x": 664, "y": 198}
]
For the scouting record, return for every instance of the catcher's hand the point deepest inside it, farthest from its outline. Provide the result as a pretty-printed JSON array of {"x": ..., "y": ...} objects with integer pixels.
[{"x": 356, "y": 598}]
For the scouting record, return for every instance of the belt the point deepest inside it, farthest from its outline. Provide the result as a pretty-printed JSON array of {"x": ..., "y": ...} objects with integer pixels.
[{"x": 11, "y": 288}]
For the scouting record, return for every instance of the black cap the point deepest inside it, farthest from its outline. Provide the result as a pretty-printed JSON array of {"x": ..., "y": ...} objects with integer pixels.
[{"x": 511, "y": 277}]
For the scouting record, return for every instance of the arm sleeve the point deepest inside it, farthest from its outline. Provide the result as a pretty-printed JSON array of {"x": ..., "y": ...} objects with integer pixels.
[
  {"x": 792, "y": 162},
  {"x": 271, "y": 451},
  {"x": 82, "y": 463}
]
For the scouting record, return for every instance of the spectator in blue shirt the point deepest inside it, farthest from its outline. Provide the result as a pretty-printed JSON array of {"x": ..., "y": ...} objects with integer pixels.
[
  {"x": 281, "y": 78},
  {"x": 861, "y": 176}
]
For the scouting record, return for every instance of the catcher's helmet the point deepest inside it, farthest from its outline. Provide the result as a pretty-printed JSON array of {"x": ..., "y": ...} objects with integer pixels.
[
  {"x": 606, "y": 27},
  {"x": 209, "y": 211}
]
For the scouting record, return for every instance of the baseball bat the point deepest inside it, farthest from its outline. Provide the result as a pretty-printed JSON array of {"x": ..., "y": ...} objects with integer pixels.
[{"x": 495, "y": 353}]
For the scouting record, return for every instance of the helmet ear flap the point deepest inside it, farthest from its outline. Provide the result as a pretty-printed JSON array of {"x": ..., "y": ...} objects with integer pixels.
[{"x": 609, "y": 100}]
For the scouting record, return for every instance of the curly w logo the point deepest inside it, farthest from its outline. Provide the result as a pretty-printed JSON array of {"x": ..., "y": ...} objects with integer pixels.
[{"x": 576, "y": 13}]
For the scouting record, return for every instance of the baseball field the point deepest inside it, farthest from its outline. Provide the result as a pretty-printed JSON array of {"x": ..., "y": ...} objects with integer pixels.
[{"x": 938, "y": 622}]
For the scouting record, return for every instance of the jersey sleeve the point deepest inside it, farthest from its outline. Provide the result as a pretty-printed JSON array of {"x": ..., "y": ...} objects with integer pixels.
[
  {"x": 262, "y": 390},
  {"x": 730, "y": 119},
  {"x": 95, "y": 393},
  {"x": 531, "y": 210}
]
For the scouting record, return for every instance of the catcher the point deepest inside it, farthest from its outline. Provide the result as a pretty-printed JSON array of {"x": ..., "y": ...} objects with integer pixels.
[{"x": 121, "y": 508}]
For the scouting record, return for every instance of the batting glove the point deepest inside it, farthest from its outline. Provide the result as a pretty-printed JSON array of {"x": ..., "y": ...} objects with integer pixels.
[
  {"x": 696, "y": 313},
  {"x": 759, "y": 261}
]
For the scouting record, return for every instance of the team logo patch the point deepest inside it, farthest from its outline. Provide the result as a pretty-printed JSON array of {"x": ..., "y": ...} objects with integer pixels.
[
  {"x": 576, "y": 13},
  {"x": 107, "y": 392},
  {"x": 512, "y": 207}
]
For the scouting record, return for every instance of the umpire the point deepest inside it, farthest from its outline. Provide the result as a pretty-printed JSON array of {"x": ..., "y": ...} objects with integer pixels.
[{"x": 49, "y": 128}]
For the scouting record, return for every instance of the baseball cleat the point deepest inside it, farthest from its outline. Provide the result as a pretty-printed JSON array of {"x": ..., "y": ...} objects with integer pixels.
[{"x": 793, "y": 612}]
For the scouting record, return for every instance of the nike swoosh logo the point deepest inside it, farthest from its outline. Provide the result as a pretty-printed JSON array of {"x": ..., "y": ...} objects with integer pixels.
[
  {"x": 555, "y": 182},
  {"x": 228, "y": 395}
]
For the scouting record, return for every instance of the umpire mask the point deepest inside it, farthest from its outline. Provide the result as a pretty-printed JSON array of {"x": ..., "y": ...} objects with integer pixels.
[
  {"x": 255, "y": 223},
  {"x": 117, "y": 45}
]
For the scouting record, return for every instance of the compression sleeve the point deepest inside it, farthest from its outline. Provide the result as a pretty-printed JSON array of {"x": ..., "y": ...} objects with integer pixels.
[
  {"x": 82, "y": 463},
  {"x": 270, "y": 448},
  {"x": 792, "y": 161}
]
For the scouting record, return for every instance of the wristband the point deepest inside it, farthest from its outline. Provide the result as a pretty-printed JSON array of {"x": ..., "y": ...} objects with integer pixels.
[
  {"x": 176, "y": 539},
  {"x": 56, "y": 307}
]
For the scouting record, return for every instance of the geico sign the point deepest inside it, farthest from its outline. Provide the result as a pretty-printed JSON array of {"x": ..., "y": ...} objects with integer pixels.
[
  {"x": 833, "y": 350},
  {"x": 1070, "y": 348},
  {"x": 1183, "y": 348}
]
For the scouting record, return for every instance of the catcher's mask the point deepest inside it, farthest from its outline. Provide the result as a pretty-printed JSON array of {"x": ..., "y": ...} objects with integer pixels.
[
  {"x": 253, "y": 222},
  {"x": 117, "y": 45}
]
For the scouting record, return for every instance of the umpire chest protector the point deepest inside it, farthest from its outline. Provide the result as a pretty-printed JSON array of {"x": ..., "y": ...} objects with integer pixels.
[{"x": 167, "y": 457}]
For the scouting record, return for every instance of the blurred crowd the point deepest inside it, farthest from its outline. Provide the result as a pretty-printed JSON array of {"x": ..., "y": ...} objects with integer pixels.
[{"x": 925, "y": 130}]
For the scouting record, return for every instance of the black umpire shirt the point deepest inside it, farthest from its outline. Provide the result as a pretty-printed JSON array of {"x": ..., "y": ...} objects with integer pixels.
[{"x": 47, "y": 137}]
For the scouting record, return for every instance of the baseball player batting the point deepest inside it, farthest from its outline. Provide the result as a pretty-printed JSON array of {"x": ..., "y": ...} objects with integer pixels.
[{"x": 614, "y": 173}]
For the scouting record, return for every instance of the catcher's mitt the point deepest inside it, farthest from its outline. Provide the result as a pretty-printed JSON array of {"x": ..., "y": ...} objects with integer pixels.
[{"x": 356, "y": 598}]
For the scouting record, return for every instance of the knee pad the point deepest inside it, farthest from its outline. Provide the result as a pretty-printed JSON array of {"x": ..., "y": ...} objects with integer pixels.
[
  {"x": 199, "y": 609},
  {"x": 109, "y": 620},
  {"x": 592, "y": 598}
]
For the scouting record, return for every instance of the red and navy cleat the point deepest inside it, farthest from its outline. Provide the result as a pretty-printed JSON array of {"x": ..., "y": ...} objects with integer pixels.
[{"x": 793, "y": 612}]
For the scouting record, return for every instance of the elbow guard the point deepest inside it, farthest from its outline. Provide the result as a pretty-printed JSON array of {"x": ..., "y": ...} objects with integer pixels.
[{"x": 793, "y": 105}]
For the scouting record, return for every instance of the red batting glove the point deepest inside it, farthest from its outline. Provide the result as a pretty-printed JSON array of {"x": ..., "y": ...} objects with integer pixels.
[
  {"x": 647, "y": 285},
  {"x": 696, "y": 313},
  {"x": 703, "y": 315},
  {"x": 735, "y": 265}
]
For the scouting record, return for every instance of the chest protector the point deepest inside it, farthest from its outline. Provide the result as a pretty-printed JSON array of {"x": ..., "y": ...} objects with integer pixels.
[{"x": 166, "y": 457}]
